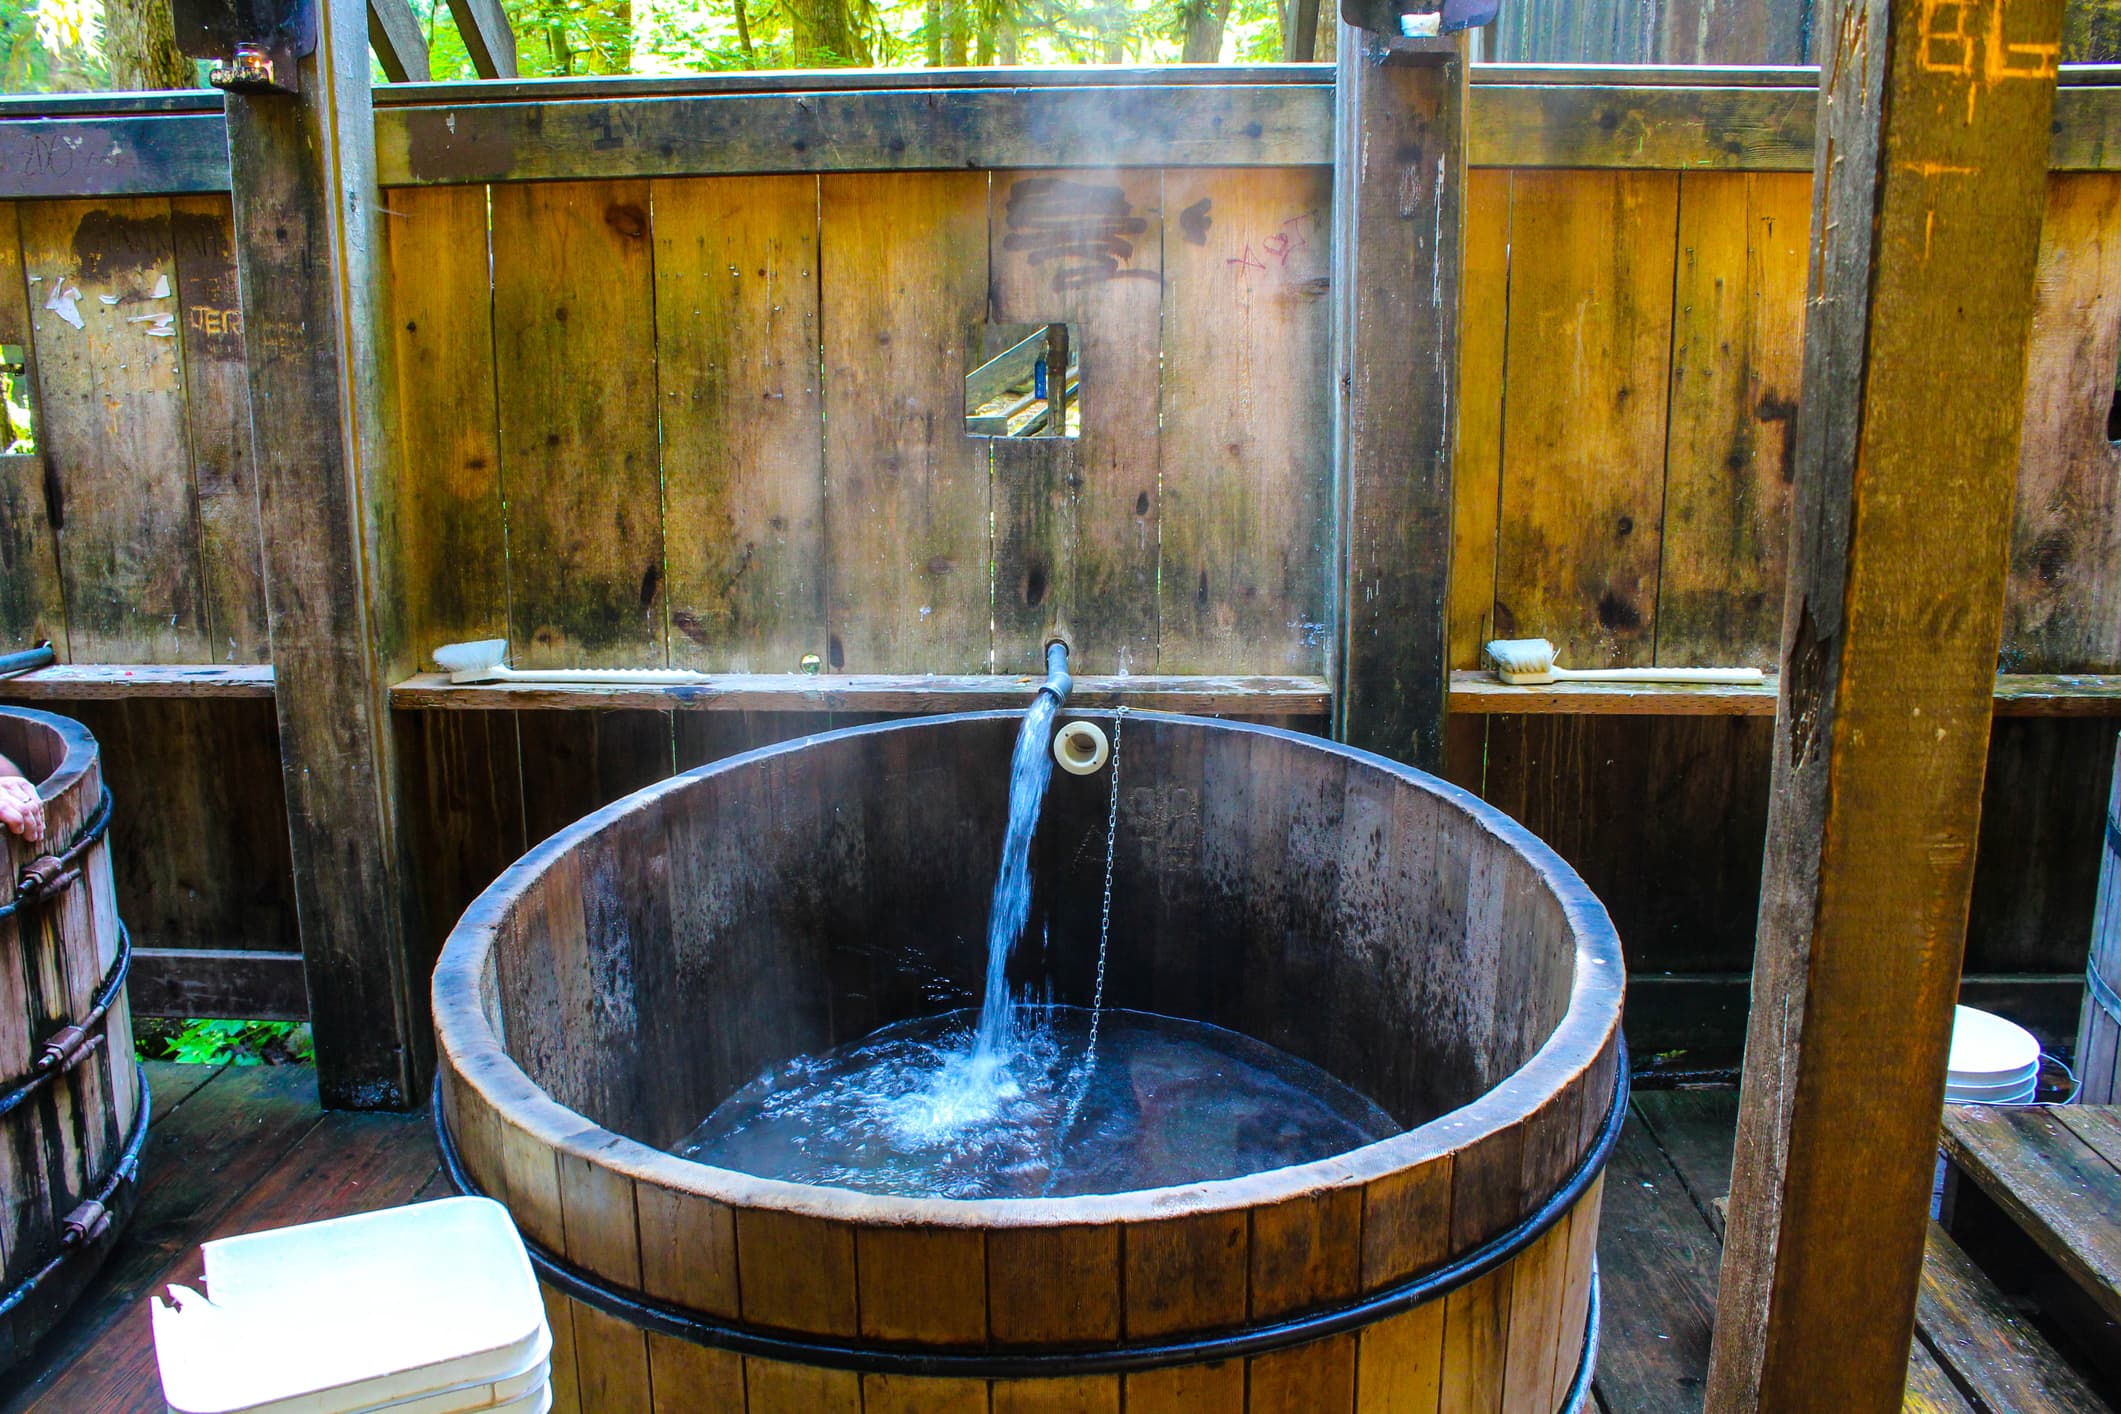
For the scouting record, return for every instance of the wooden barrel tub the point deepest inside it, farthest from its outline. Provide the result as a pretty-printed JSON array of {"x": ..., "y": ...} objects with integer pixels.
[
  {"x": 73, "y": 1102},
  {"x": 633, "y": 970}
]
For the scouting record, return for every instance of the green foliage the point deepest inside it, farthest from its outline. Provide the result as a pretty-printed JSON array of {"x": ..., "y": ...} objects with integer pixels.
[
  {"x": 56, "y": 45},
  {"x": 217, "y": 1042}
]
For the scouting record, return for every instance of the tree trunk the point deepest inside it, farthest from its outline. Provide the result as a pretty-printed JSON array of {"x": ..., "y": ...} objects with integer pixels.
[
  {"x": 1204, "y": 30},
  {"x": 140, "y": 44},
  {"x": 743, "y": 35},
  {"x": 932, "y": 33},
  {"x": 823, "y": 32},
  {"x": 955, "y": 24}
]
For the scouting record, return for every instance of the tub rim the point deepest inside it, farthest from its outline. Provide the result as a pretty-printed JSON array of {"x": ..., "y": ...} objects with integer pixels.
[
  {"x": 80, "y": 749},
  {"x": 1587, "y": 1033}
]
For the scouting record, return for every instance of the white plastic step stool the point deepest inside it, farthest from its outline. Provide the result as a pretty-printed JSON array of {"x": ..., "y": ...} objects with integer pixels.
[{"x": 429, "y": 1309}]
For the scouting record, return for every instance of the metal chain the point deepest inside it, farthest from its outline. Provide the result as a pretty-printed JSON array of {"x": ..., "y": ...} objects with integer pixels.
[
  {"x": 1104, "y": 921},
  {"x": 1088, "y": 1067}
]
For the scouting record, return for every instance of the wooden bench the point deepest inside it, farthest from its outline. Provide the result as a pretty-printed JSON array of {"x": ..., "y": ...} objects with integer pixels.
[{"x": 2030, "y": 1183}]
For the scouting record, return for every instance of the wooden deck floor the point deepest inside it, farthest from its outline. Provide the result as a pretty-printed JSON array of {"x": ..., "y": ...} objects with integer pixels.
[
  {"x": 233, "y": 1150},
  {"x": 229, "y": 1150}
]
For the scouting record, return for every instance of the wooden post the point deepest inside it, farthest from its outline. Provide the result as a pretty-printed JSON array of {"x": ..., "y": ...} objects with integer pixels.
[
  {"x": 1932, "y": 174},
  {"x": 1399, "y": 163},
  {"x": 309, "y": 256}
]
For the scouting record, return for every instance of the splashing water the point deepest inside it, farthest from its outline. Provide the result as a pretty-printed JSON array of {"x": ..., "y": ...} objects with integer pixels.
[
  {"x": 1025, "y": 1100},
  {"x": 1168, "y": 1102},
  {"x": 1030, "y": 768}
]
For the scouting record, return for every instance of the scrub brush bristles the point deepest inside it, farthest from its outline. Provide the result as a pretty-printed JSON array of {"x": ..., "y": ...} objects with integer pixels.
[
  {"x": 479, "y": 661},
  {"x": 1522, "y": 662}
]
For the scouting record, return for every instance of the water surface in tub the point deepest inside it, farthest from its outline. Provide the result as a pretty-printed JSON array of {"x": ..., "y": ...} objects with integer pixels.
[{"x": 1163, "y": 1102}]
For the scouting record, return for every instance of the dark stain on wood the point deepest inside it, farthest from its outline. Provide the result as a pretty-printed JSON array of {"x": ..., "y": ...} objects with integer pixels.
[{"x": 1194, "y": 221}]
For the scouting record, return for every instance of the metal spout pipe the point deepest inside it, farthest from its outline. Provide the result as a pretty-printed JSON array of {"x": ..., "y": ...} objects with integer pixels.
[{"x": 1057, "y": 682}]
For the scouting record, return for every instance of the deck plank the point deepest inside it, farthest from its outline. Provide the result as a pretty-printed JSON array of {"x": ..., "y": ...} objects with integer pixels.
[
  {"x": 214, "y": 1141},
  {"x": 2054, "y": 1186},
  {"x": 347, "y": 1163}
]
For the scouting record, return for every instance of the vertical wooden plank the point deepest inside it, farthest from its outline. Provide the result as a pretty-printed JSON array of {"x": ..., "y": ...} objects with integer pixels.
[
  {"x": 1087, "y": 248},
  {"x": 1053, "y": 1286},
  {"x": 217, "y": 404},
  {"x": 907, "y": 502},
  {"x": 1475, "y": 1343},
  {"x": 314, "y": 307},
  {"x": 694, "y": 1379},
  {"x": 776, "y": 1387},
  {"x": 1537, "y": 1290},
  {"x": 1737, "y": 350},
  {"x": 111, "y": 396},
  {"x": 1576, "y": 1293},
  {"x": 923, "y": 1284},
  {"x": 2062, "y": 611},
  {"x": 577, "y": 762},
  {"x": 1398, "y": 251},
  {"x": 1399, "y": 1363},
  {"x": 736, "y": 295},
  {"x": 1184, "y": 1274},
  {"x": 796, "y": 1272},
  {"x": 1086, "y": 1394},
  {"x": 915, "y": 1394},
  {"x": 32, "y": 603},
  {"x": 1245, "y": 420},
  {"x": 1476, "y": 474},
  {"x": 688, "y": 1250},
  {"x": 566, "y": 1379},
  {"x": 611, "y": 1363},
  {"x": 1584, "y": 424},
  {"x": 1033, "y": 486},
  {"x": 1933, "y": 173},
  {"x": 1318, "y": 1378},
  {"x": 1306, "y": 1251},
  {"x": 453, "y": 565},
  {"x": 1181, "y": 1389},
  {"x": 574, "y": 342}
]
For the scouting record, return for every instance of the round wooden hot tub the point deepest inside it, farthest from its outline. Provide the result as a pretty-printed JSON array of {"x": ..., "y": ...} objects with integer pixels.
[
  {"x": 636, "y": 968},
  {"x": 73, "y": 1102}
]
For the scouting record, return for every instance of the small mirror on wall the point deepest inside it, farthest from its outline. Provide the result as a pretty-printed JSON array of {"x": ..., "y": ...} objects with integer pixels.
[{"x": 1025, "y": 381}]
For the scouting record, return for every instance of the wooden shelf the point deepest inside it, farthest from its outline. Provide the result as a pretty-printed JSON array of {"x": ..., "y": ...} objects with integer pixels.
[
  {"x": 2017, "y": 695},
  {"x": 69, "y": 682},
  {"x": 803, "y": 692}
]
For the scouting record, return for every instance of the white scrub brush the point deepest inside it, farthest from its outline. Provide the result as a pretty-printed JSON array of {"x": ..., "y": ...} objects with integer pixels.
[
  {"x": 487, "y": 661},
  {"x": 1529, "y": 662}
]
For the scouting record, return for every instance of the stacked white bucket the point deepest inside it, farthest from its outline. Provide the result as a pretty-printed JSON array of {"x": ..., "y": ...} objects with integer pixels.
[
  {"x": 1994, "y": 1062},
  {"x": 430, "y": 1309}
]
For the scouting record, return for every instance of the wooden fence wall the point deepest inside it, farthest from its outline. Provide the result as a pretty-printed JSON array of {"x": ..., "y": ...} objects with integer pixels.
[{"x": 715, "y": 421}]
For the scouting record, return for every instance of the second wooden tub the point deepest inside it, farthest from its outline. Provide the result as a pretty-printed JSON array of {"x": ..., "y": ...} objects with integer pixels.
[{"x": 636, "y": 968}]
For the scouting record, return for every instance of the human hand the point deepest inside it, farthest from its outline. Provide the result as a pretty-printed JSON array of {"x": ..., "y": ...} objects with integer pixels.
[{"x": 21, "y": 809}]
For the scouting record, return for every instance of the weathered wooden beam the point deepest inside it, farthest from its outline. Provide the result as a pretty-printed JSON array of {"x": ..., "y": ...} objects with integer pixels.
[
  {"x": 1932, "y": 174},
  {"x": 218, "y": 982},
  {"x": 1270, "y": 125},
  {"x": 309, "y": 253},
  {"x": 850, "y": 692},
  {"x": 1398, "y": 247},
  {"x": 483, "y": 25},
  {"x": 1550, "y": 125},
  {"x": 1517, "y": 116},
  {"x": 400, "y": 46},
  {"x": 79, "y": 682},
  {"x": 119, "y": 154}
]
